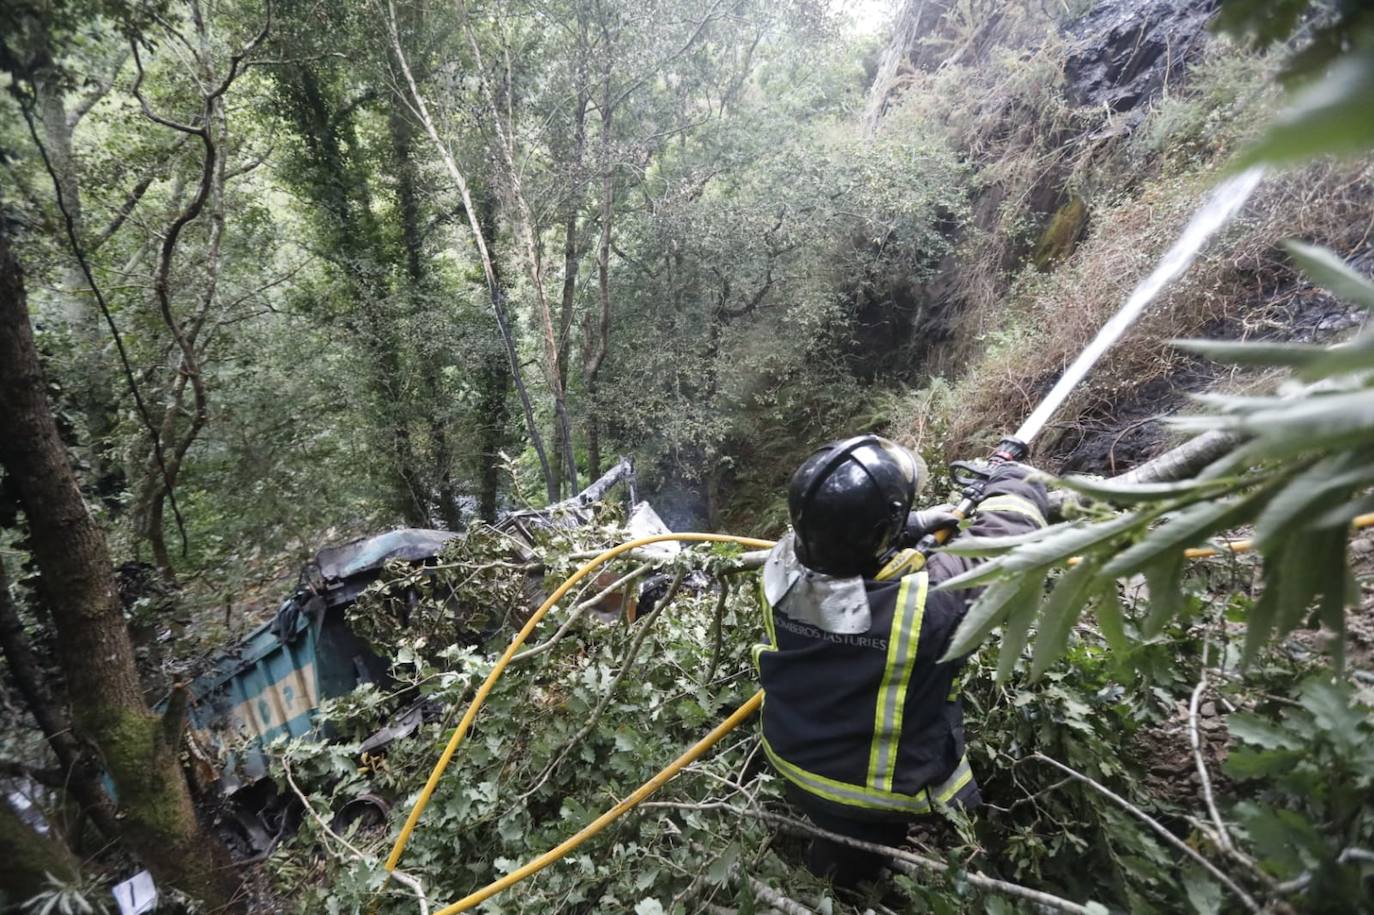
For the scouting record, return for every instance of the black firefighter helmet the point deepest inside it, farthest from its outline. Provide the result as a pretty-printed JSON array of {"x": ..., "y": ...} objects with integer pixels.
[{"x": 849, "y": 502}]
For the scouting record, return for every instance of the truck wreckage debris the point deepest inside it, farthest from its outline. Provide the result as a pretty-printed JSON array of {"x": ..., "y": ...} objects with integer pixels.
[{"x": 320, "y": 645}]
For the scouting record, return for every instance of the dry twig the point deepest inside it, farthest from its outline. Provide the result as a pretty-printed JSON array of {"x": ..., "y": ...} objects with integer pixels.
[
  {"x": 406, "y": 880},
  {"x": 578, "y": 611}
]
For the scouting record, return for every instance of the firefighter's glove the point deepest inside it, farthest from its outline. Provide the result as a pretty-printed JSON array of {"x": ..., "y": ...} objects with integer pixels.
[{"x": 928, "y": 521}]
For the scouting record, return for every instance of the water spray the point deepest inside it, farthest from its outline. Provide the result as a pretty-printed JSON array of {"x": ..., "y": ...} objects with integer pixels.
[{"x": 1221, "y": 205}]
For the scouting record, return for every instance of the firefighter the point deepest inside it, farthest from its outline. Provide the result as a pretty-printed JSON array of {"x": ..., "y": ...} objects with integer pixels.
[{"x": 859, "y": 716}]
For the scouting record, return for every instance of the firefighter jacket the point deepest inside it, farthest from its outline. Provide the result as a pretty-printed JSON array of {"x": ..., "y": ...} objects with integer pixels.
[{"x": 858, "y": 713}]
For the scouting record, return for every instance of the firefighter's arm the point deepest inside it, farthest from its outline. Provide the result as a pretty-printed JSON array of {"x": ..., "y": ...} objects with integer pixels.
[{"x": 1013, "y": 503}]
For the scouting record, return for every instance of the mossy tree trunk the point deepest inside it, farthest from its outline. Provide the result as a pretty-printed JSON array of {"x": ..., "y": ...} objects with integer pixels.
[
  {"x": 80, "y": 774},
  {"x": 139, "y": 750},
  {"x": 30, "y": 857}
]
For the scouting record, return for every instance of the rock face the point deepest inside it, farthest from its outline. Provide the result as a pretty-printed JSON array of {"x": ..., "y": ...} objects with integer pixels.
[
  {"x": 1121, "y": 56},
  {"x": 1126, "y": 51}
]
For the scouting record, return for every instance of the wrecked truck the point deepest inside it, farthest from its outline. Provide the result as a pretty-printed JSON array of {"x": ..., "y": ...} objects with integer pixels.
[{"x": 271, "y": 683}]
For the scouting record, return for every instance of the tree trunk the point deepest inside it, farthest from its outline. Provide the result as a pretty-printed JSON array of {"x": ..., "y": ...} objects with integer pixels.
[
  {"x": 483, "y": 227},
  {"x": 156, "y": 533},
  {"x": 571, "y": 256},
  {"x": 30, "y": 857},
  {"x": 600, "y": 346},
  {"x": 81, "y": 774},
  {"x": 496, "y": 385},
  {"x": 494, "y": 417},
  {"x": 139, "y": 751},
  {"x": 337, "y": 187},
  {"x": 402, "y": 140},
  {"x": 527, "y": 232},
  {"x": 95, "y": 387}
]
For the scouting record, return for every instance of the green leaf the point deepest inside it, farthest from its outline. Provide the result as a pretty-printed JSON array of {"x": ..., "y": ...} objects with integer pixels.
[
  {"x": 721, "y": 868},
  {"x": 980, "y": 574},
  {"x": 1024, "y": 606},
  {"x": 1343, "y": 516},
  {"x": 1132, "y": 493},
  {"x": 1255, "y": 730},
  {"x": 1166, "y": 595},
  {"x": 1204, "y": 894},
  {"x": 1330, "y": 706},
  {"x": 1283, "y": 838},
  {"x": 1061, "y": 610},
  {"x": 990, "y": 546},
  {"x": 1334, "y": 599},
  {"x": 1330, "y": 116},
  {"x": 1262, "y": 21},
  {"x": 1311, "y": 493},
  {"x": 1051, "y": 547},
  {"x": 1111, "y": 617},
  {"x": 1326, "y": 269},
  {"x": 1300, "y": 582},
  {"x": 1237, "y": 404},
  {"x": 1237, "y": 352},
  {"x": 1356, "y": 355},
  {"x": 1260, "y": 621},
  {"x": 1185, "y": 528},
  {"x": 989, "y": 609},
  {"x": 1243, "y": 764}
]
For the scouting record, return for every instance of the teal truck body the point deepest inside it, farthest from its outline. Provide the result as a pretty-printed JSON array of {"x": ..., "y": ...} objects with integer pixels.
[{"x": 271, "y": 683}]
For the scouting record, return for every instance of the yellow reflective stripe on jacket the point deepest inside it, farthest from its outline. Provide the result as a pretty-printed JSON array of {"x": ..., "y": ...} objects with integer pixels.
[
  {"x": 1011, "y": 503},
  {"x": 767, "y": 609},
  {"x": 767, "y": 616},
  {"x": 902, "y": 643},
  {"x": 872, "y": 798}
]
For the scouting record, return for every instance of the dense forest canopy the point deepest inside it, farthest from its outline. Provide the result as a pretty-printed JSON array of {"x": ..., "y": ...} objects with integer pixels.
[{"x": 279, "y": 274}]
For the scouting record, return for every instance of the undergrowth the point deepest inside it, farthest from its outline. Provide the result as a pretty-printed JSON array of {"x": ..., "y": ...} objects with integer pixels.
[{"x": 572, "y": 730}]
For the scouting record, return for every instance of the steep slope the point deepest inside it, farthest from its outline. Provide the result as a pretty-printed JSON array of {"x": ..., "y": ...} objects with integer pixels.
[{"x": 1105, "y": 138}]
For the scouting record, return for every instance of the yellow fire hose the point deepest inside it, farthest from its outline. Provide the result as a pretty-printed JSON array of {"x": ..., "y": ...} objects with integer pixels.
[
  {"x": 737, "y": 717},
  {"x": 482, "y": 692},
  {"x": 1241, "y": 546}
]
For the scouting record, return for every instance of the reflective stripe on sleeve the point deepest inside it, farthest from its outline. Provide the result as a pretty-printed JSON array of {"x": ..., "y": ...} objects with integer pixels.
[
  {"x": 1015, "y": 504},
  {"x": 767, "y": 617}
]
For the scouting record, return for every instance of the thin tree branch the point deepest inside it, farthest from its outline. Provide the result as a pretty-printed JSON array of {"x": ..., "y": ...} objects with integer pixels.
[
  {"x": 135, "y": 194},
  {"x": 1223, "y": 838},
  {"x": 421, "y": 112},
  {"x": 1160, "y": 829},
  {"x": 578, "y": 611},
  {"x": 910, "y": 858},
  {"x": 717, "y": 635},
  {"x": 25, "y": 106},
  {"x": 48, "y": 778},
  {"x": 644, "y": 626},
  {"x": 401, "y": 877},
  {"x": 97, "y": 92}
]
